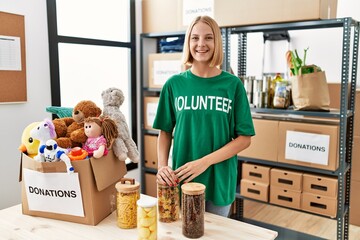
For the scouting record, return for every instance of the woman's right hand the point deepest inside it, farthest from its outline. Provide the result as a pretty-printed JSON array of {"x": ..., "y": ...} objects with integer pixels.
[{"x": 166, "y": 176}]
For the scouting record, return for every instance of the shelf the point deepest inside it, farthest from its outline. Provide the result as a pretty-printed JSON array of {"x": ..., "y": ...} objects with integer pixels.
[
  {"x": 293, "y": 167},
  {"x": 329, "y": 23},
  {"x": 238, "y": 196},
  {"x": 163, "y": 34},
  {"x": 330, "y": 114}
]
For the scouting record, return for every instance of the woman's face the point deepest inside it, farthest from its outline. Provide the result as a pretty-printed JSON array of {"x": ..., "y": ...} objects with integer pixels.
[{"x": 202, "y": 43}]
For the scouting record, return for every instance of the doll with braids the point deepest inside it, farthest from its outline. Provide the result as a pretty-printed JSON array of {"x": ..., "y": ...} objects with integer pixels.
[{"x": 101, "y": 132}]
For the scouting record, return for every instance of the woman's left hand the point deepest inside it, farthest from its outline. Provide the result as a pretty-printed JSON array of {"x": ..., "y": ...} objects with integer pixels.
[{"x": 191, "y": 170}]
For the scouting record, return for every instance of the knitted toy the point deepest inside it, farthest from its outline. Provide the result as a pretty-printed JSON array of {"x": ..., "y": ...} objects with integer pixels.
[
  {"x": 101, "y": 132},
  {"x": 124, "y": 146}
]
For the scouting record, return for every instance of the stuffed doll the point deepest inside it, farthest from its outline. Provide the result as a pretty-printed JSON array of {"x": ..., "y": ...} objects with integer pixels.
[
  {"x": 101, "y": 132},
  {"x": 124, "y": 146}
]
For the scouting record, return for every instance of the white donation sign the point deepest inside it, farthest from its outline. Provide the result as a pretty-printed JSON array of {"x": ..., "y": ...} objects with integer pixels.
[
  {"x": 53, "y": 192},
  {"x": 307, "y": 147}
]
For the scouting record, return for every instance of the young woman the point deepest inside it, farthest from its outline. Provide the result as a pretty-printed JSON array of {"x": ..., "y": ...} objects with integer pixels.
[{"x": 208, "y": 111}]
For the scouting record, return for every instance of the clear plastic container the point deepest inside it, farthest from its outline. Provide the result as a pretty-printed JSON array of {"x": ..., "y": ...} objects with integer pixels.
[
  {"x": 193, "y": 209},
  {"x": 147, "y": 218},
  {"x": 168, "y": 203},
  {"x": 127, "y": 195}
]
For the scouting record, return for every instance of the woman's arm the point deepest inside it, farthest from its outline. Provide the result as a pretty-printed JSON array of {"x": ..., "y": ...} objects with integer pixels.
[
  {"x": 165, "y": 174},
  {"x": 192, "y": 169}
]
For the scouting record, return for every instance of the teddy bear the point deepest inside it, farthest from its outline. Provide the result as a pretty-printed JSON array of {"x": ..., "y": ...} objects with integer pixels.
[
  {"x": 124, "y": 146},
  {"x": 75, "y": 135}
]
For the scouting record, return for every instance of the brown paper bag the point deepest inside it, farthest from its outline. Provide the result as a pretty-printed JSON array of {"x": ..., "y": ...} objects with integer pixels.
[{"x": 310, "y": 92}]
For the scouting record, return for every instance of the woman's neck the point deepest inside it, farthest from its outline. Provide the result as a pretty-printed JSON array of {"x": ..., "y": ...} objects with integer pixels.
[{"x": 203, "y": 70}]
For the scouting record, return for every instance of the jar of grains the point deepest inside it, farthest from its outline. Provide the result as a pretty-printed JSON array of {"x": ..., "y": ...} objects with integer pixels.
[
  {"x": 168, "y": 203},
  {"x": 147, "y": 218},
  {"x": 193, "y": 209},
  {"x": 127, "y": 195}
]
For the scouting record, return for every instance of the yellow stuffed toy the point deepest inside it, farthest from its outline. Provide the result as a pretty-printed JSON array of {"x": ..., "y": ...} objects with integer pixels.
[{"x": 29, "y": 145}]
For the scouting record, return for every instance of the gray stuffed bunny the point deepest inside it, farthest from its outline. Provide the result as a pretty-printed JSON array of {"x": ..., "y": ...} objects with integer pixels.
[{"x": 124, "y": 146}]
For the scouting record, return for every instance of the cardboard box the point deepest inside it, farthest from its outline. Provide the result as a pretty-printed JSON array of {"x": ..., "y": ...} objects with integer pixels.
[
  {"x": 310, "y": 145},
  {"x": 160, "y": 15},
  {"x": 256, "y": 173},
  {"x": 150, "y": 108},
  {"x": 320, "y": 185},
  {"x": 290, "y": 180},
  {"x": 254, "y": 190},
  {"x": 97, "y": 178},
  {"x": 322, "y": 205},
  {"x": 355, "y": 162},
  {"x": 150, "y": 184},
  {"x": 150, "y": 151},
  {"x": 162, "y": 66},
  {"x": 335, "y": 94},
  {"x": 285, "y": 197},
  {"x": 179, "y": 13},
  {"x": 354, "y": 203},
  {"x": 264, "y": 145}
]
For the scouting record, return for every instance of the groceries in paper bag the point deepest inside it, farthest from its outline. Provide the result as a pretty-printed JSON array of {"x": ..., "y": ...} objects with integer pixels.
[{"x": 309, "y": 86}]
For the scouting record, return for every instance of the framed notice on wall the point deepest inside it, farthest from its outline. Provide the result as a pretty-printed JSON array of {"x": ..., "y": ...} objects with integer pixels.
[{"x": 12, "y": 58}]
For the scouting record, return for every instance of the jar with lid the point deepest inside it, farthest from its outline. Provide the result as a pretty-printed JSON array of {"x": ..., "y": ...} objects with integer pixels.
[
  {"x": 127, "y": 195},
  {"x": 147, "y": 218},
  {"x": 282, "y": 95},
  {"x": 168, "y": 203},
  {"x": 193, "y": 209}
]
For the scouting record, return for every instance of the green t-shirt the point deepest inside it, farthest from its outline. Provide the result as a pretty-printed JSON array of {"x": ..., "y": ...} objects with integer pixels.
[{"x": 206, "y": 113}]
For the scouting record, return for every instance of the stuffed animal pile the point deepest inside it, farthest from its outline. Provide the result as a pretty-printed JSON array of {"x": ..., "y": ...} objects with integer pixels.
[{"x": 66, "y": 139}]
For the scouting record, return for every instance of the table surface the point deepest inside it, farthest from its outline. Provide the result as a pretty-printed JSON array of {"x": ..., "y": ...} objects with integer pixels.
[{"x": 15, "y": 225}]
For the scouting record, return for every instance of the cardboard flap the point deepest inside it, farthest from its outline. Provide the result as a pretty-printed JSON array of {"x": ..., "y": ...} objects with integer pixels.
[
  {"x": 44, "y": 167},
  {"x": 107, "y": 170}
]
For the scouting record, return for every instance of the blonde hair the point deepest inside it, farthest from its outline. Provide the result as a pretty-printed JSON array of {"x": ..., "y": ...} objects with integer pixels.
[
  {"x": 217, "y": 58},
  {"x": 108, "y": 128}
]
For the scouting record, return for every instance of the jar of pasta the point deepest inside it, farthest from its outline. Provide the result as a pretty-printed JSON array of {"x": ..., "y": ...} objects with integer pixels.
[
  {"x": 147, "y": 218},
  {"x": 127, "y": 195},
  {"x": 168, "y": 203},
  {"x": 193, "y": 209}
]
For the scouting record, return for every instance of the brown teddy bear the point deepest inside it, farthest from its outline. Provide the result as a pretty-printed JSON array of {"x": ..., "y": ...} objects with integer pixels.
[{"x": 75, "y": 135}]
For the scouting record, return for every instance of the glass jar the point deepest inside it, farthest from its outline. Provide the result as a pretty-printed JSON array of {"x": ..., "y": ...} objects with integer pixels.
[
  {"x": 127, "y": 195},
  {"x": 193, "y": 209},
  {"x": 282, "y": 95},
  {"x": 147, "y": 218},
  {"x": 168, "y": 203}
]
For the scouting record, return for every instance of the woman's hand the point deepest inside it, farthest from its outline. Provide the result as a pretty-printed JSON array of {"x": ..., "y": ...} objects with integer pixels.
[
  {"x": 166, "y": 176},
  {"x": 191, "y": 170}
]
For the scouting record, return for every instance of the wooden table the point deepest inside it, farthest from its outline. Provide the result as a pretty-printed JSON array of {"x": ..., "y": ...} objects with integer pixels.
[{"x": 15, "y": 225}]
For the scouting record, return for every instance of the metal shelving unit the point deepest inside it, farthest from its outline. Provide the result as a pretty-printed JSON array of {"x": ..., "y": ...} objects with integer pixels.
[{"x": 345, "y": 115}]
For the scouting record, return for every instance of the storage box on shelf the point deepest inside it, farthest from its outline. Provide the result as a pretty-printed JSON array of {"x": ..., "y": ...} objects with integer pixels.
[
  {"x": 150, "y": 148},
  {"x": 257, "y": 173},
  {"x": 254, "y": 190},
  {"x": 264, "y": 145},
  {"x": 285, "y": 197},
  {"x": 178, "y": 13},
  {"x": 310, "y": 145},
  {"x": 162, "y": 66},
  {"x": 286, "y": 179},
  {"x": 150, "y": 108}
]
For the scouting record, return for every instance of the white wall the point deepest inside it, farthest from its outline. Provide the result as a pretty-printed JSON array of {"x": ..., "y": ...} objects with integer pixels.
[{"x": 15, "y": 117}]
